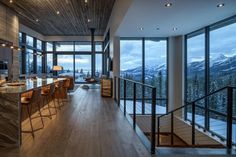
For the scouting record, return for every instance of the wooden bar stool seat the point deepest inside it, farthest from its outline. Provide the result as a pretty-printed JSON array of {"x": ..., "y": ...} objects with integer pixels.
[{"x": 29, "y": 103}]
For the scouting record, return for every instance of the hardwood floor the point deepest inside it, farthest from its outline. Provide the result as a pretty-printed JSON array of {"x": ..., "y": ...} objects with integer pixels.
[{"x": 87, "y": 126}]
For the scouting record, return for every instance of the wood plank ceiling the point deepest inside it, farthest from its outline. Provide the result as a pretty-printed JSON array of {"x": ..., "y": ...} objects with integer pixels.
[{"x": 75, "y": 17}]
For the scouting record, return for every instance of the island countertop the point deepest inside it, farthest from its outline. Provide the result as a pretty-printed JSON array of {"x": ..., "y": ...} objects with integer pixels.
[
  {"x": 10, "y": 109},
  {"x": 27, "y": 85}
]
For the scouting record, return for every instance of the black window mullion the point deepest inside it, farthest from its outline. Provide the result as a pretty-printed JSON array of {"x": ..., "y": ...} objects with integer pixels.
[{"x": 207, "y": 76}]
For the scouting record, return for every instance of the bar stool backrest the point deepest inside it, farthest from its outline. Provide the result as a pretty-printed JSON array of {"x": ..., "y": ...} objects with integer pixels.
[
  {"x": 52, "y": 89},
  {"x": 66, "y": 83},
  {"x": 36, "y": 96}
]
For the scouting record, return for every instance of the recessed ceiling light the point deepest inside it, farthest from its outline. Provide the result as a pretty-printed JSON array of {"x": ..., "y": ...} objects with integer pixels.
[
  {"x": 89, "y": 20},
  {"x": 168, "y": 4},
  {"x": 11, "y": 1},
  {"x": 220, "y": 5},
  {"x": 19, "y": 49},
  {"x": 3, "y": 45},
  {"x": 37, "y": 20},
  {"x": 85, "y": 1},
  {"x": 174, "y": 29},
  {"x": 141, "y": 28},
  {"x": 12, "y": 47},
  {"x": 58, "y": 12}
]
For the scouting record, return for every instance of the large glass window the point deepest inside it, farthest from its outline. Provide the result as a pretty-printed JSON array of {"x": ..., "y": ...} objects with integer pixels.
[
  {"x": 29, "y": 61},
  {"x": 156, "y": 65},
  {"x": 82, "y": 67},
  {"x": 65, "y": 46},
  {"x": 98, "y": 47},
  {"x": 66, "y": 61},
  {"x": 49, "y": 46},
  {"x": 220, "y": 71},
  {"x": 49, "y": 62},
  {"x": 39, "y": 44},
  {"x": 98, "y": 65},
  {"x": 131, "y": 59},
  {"x": 39, "y": 63},
  {"x": 83, "y": 46},
  {"x": 195, "y": 66},
  {"x": 29, "y": 41}
]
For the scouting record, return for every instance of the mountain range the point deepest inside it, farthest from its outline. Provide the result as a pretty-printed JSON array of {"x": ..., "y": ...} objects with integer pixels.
[{"x": 221, "y": 65}]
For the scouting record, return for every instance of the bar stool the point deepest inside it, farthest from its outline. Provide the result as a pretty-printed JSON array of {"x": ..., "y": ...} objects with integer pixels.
[
  {"x": 58, "y": 93},
  {"x": 48, "y": 95},
  {"x": 29, "y": 103},
  {"x": 66, "y": 85}
]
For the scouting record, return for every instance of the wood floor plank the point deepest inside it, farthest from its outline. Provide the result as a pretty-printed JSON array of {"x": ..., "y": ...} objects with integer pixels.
[{"x": 87, "y": 126}]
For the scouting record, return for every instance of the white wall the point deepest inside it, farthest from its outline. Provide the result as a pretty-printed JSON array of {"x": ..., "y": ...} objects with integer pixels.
[{"x": 176, "y": 72}]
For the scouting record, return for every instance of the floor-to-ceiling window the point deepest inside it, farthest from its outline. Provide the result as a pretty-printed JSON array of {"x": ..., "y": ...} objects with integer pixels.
[
  {"x": 145, "y": 60},
  {"x": 39, "y": 63},
  {"x": 82, "y": 67},
  {"x": 29, "y": 61},
  {"x": 131, "y": 59},
  {"x": 98, "y": 65},
  {"x": 211, "y": 65},
  {"x": 67, "y": 63}
]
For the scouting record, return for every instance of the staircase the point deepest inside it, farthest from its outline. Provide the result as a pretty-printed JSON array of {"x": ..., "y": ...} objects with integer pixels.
[{"x": 194, "y": 125}]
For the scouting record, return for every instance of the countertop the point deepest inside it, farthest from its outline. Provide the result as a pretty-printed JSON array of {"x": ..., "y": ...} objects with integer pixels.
[{"x": 28, "y": 85}]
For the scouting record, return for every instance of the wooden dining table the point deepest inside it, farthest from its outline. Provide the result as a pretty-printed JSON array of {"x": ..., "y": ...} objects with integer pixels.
[{"x": 10, "y": 108}]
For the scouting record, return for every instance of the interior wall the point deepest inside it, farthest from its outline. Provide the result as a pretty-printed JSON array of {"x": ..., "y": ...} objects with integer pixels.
[
  {"x": 9, "y": 29},
  {"x": 176, "y": 72}
]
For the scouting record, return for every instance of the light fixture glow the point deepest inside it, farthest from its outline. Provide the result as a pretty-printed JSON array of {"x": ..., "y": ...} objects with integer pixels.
[
  {"x": 12, "y": 47},
  {"x": 3, "y": 45},
  {"x": 11, "y": 1},
  {"x": 168, "y": 4},
  {"x": 85, "y": 1},
  {"x": 220, "y": 5},
  {"x": 89, "y": 20},
  {"x": 58, "y": 12},
  {"x": 19, "y": 49},
  {"x": 37, "y": 20}
]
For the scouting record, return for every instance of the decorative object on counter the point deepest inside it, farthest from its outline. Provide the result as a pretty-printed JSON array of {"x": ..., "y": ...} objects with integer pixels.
[{"x": 106, "y": 87}]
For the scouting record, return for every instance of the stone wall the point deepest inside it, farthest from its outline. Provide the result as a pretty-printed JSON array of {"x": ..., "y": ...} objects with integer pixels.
[{"x": 9, "y": 30}]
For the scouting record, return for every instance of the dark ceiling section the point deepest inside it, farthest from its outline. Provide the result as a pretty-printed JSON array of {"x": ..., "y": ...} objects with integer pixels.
[{"x": 73, "y": 19}]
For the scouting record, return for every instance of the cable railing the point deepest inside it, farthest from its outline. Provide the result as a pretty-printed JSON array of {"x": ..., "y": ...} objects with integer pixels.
[
  {"x": 184, "y": 126},
  {"x": 135, "y": 98},
  {"x": 221, "y": 124}
]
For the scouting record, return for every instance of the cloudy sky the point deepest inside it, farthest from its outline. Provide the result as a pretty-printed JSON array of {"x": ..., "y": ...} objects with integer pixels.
[
  {"x": 222, "y": 41},
  {"x": 131, "y": 53}
]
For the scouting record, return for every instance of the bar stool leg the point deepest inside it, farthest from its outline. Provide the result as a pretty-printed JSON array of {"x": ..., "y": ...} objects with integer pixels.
[
  {"x": 47, "y": 100},
  {"x": 41, "y": 117},
  {"x": 31, "y": 125}
]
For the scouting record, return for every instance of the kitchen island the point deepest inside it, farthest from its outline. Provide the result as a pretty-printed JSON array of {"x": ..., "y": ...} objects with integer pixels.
[{"x": 10, "y": 109}]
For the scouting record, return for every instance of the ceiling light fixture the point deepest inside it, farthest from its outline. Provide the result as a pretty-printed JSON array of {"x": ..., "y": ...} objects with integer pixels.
[
  {"x": 168, "y": 4},
  {"x": 12, "y": 47},
  {"x": 89, "y": 20},
  {"x": 37, "y": 20},
  {"x": 11, "y": 1},
  {"x": 3, "y": 45},
  {"x": 220, "y": 5},
  {"x": 58, "y": 12},
  {"x": 141, "y": 28},
  {"x": 85, "y": 1}
]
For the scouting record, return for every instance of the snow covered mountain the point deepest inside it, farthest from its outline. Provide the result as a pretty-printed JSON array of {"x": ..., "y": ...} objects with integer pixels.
[{"x": 221, "y": 65}]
